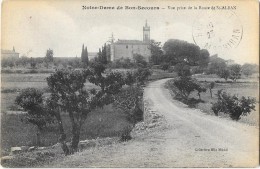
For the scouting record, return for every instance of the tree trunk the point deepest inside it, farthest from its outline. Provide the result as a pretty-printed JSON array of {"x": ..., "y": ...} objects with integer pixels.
[
  {"x": 75, "y": 137},
  {"x": 62, "y": 138},
  {"x": 210, "y": 93},
  {"x": 38, "y": 138}
]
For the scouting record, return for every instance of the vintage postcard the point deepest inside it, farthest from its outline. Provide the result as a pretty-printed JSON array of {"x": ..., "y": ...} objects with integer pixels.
[{"x": 129, "y": 83}]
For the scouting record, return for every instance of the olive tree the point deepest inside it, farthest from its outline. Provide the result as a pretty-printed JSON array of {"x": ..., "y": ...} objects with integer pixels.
[
  {"x": 68, "y": 93},
  {"x": 233, "y": 105}
]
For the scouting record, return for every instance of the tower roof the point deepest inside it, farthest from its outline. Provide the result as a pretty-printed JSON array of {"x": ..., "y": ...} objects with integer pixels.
[{"x": 146, "y": 27}]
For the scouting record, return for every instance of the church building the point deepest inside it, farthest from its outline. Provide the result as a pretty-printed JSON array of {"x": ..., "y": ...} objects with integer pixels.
[{"x": 129, "y": 48}]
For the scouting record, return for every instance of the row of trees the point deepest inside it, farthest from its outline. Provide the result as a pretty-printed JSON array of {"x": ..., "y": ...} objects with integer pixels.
[
  {"x": 103, "y": 55},
  {"x": 218, "y": 66},
  {"x": 47, "y": 61},
  {"x": 68, "y": 95}
]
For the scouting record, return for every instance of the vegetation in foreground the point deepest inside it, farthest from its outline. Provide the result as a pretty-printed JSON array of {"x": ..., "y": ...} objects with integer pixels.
[{"x": 210, "y": 98}]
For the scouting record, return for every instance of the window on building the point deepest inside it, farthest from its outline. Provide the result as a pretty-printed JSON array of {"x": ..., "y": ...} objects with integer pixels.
[{"x": 126, "y": 46}]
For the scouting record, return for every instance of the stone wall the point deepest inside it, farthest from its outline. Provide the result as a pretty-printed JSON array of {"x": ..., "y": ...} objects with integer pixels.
[{"x": 128, "y": 50}]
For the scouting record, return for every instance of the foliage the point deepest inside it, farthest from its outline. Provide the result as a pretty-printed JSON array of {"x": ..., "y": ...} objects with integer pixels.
[
  {"x": 122, "y": 63},
  {"x": 211, "y": 86},
  {"x": 186, "y": 85},
  {"x": 84, "y": 56},
  {"x": 165, "y": 66},
  {"x": 232, "y": 105},
  {"x": 177, "y": 51},
  {"x": 215, "y": 65},
  {"x": 128, "y": 100},
  {"x": 130, "y": 78},
  {"x": 156, "y": 52},
  {"x": 103, "y": 54},
  {"x": 142, "y": 75},
  {"x": 182, "y": 69},
  {"x": 68, "y": 92},
  {"x": 49, "y": 55},
  {"x": 204, "y": 58},
  {"x": 140, "y": 60},
  {"x": 31, "y": 100},
  {"x": 235, "y": 72},
  {"x": 248, "y": 69},
  {"x": 224, "y": 73},
  {"x": 8, "y": 62}
]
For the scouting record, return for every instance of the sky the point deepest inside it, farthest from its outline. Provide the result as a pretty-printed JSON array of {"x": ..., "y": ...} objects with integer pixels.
[{"x": 32, "y": 27}]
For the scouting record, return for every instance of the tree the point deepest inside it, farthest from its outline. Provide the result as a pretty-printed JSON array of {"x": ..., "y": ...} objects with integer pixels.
[
  {"x": 84, "y": 56},
  {"x": 33, "y": 63},
  {"x": 248, "y": 69},
  {"x": 165, "y": 66},
  {"x": 67, "y": 87},
  {"x": 141, "y": 75},
  {"x": 31, "y": 100},
  {"x": 156, "y": 52},
  {"x": 8, "y": 62},
  {"x": 182, "y": 69},
  {"x": 99, "y": 55},
  {"x": 235, "y": 72},
  {"x": 233, "y": 105},
  {"x": 203, "y": 59},
  {"x": 49, "y": 55},
  {"x": 225, "y": 73},
  {"x": 82, "y": 53},
  {"x": 139, "y": 60},
  {"x": 216, "y": 65},
  {"x": 186, "y": 85},
  {"x": 128, "y": 101},
  {"x": 211, "y": 86},
  {"x": 181, "y": 51}
]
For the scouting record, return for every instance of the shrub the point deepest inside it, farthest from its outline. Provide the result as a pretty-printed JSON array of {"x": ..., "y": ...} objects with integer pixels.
[
  {"x": 235, "y": 72},
  {"x": 140, "y": 60},
  {"x": 165, "y": 66},
  {"x": 128, "y": 100},
  {"x": 232, "y": 105},
  {"x": 211, "y": 86},
  {"x": 182, "y": 69},
  {"x": 186, "y": 85},
  {"x": 224, "y": 73},
  {"x": 142, "y": 75}
]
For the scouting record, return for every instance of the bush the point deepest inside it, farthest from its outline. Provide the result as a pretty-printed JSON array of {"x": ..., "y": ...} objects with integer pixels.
[
  {"x": 224, "y": 73},
  {"x": 182, "y": 69},
  {"x": 235, "y": 72},
  {"x": 128, "y": 100},
  {"x": 232, "y": 105},
  {"x": 142, "y": 75},
  {"x": 165, "y": 66},
  {"x": 186, "y": 85}
]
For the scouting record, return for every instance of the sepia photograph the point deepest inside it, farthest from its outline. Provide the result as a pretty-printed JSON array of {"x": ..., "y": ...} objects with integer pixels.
[{"x": 129, "y": 84}]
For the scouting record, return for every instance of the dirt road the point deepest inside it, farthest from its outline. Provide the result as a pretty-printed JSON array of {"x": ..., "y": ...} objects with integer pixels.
[{"x": 192, "y": 139}]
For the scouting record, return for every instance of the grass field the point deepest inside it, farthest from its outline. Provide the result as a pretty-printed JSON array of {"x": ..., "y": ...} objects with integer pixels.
[{"x": 101, "y": 123}]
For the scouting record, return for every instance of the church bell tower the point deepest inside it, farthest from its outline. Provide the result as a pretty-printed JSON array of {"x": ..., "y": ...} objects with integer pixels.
[{"x": 146, "y": 33}]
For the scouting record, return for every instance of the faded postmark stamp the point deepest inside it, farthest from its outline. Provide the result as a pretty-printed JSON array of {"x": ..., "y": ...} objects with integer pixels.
[{"x": 217, "y": 30}]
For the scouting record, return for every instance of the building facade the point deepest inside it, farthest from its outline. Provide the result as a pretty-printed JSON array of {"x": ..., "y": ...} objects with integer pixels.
[
  {"x": 129, "y": 48},
  {"x": 9, "y": 54}
]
